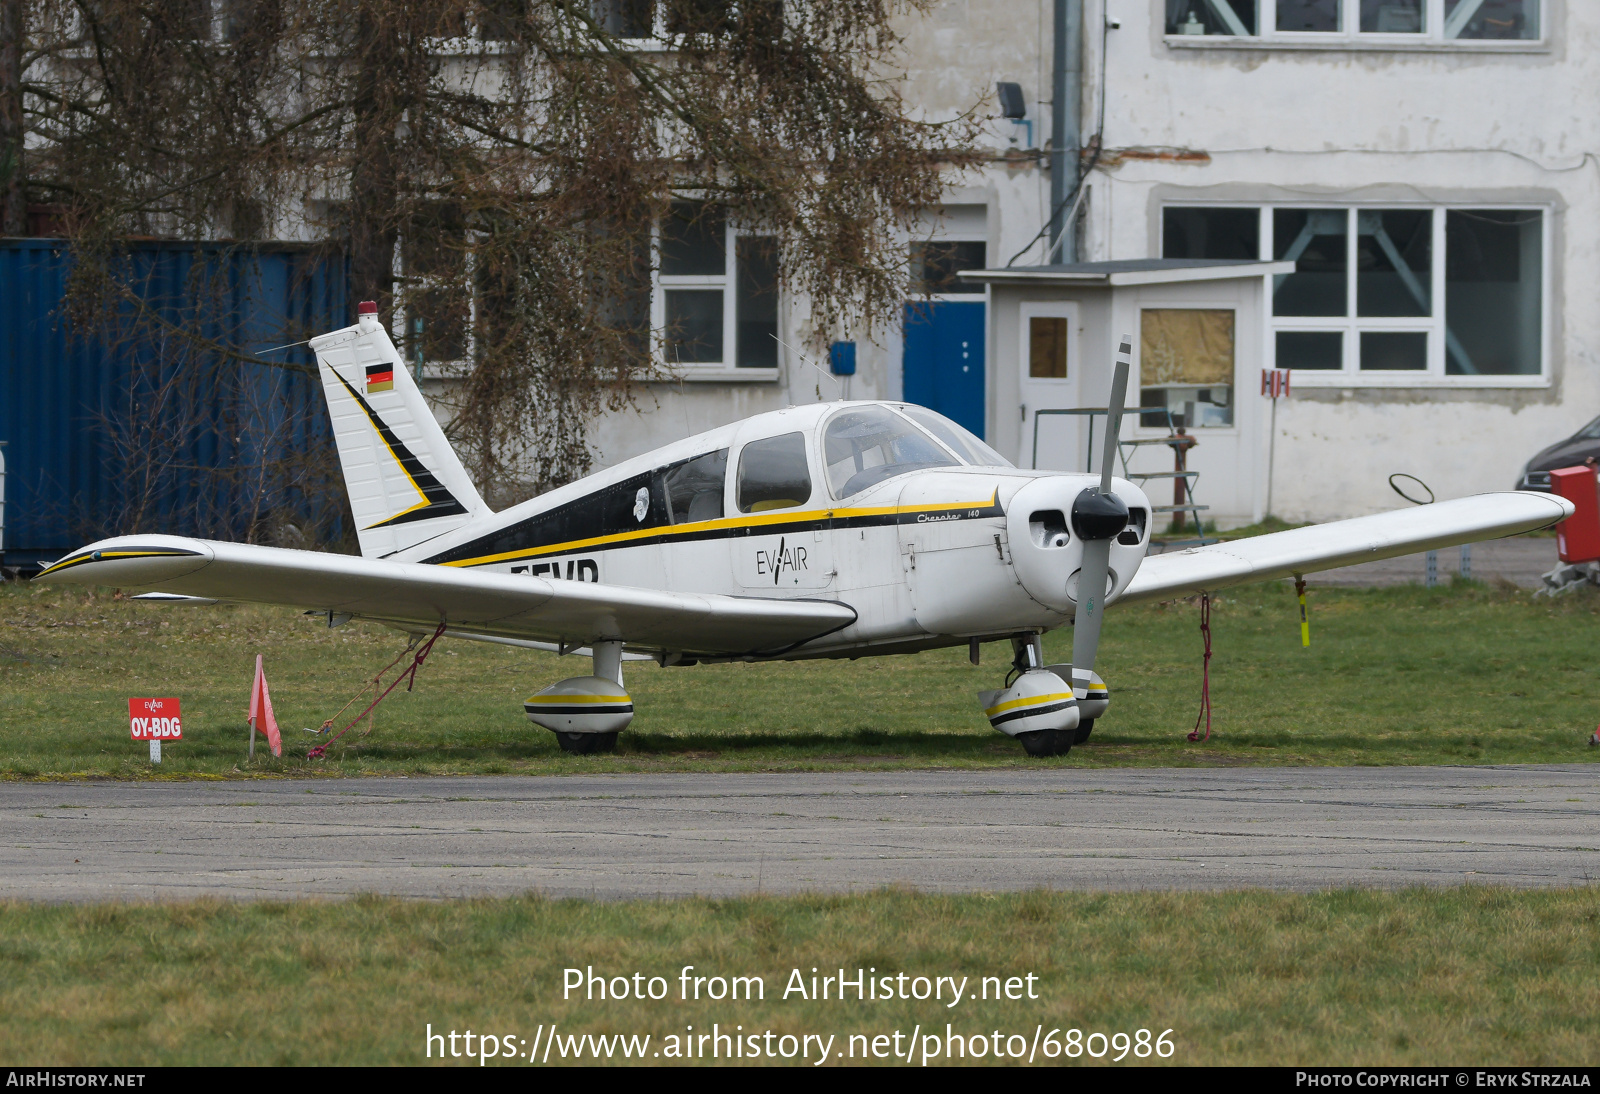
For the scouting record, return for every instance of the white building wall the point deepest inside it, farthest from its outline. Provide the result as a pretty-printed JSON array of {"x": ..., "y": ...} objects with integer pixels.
[
  {"x": 1447, "y": 124},
  {"x": 955, "y": 55},
  {"x": 1215, "y": 120}
]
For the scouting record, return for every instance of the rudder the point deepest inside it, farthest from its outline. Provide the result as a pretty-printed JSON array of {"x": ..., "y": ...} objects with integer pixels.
[{"x": 405, "y": 482}]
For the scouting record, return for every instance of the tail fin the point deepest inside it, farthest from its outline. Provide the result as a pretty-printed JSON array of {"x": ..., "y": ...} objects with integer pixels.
[{"x": 405, "y": 482}]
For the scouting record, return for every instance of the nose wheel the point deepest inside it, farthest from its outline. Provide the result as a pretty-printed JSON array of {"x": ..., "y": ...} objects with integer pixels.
[{"x": 1036, "y": 706}]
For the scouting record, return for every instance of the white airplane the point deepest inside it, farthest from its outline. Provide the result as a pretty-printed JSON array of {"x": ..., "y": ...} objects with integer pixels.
[{"x": 847, "y": 529}]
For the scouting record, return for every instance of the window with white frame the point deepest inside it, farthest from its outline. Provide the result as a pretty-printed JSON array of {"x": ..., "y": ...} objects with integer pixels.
[
  {"x": 1356, "y": 21},
  {"x": 642, "y": 20},
  {"x": 716, "y": 298},
  {"x": 436, "y": 268},
  {"x": 469, "y": 27},
  {"x": 626, "y": 18},
  {"x": 1389, "y": 295}
]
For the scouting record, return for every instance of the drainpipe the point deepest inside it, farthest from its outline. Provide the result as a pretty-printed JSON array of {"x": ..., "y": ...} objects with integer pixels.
[{"x": 1065, "y": 107}]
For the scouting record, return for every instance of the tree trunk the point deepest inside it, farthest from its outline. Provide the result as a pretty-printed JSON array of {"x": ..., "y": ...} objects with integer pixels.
[
  {"x": 13, "y": 182},
  {"x": 373, "y": 185}
]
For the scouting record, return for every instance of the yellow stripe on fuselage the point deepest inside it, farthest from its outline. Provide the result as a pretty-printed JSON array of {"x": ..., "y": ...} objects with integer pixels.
[{"x": 754, "y": 520}]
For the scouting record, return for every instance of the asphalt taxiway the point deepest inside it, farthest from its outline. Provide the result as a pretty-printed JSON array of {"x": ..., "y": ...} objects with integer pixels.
[{"x": 615, "y": 836}]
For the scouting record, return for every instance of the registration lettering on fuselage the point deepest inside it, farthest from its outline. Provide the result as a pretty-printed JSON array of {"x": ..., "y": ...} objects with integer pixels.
[{"x": 572, "y": 569}]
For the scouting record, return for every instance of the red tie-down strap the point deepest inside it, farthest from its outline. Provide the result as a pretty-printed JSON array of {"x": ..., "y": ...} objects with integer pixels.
[
  {"x": 409, "y": 675},
  {"x": 1205, "y": 672}
]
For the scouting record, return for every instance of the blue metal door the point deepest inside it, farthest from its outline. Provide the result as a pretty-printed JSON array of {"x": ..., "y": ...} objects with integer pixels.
[{"x": 944, "y": 359}]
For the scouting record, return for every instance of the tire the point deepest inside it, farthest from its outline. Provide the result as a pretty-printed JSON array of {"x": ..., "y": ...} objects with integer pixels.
[
  {"x": 586, "y": 744},
  {"x": 1046, "y": 742},
  {"x": 1081, "y": 734}
]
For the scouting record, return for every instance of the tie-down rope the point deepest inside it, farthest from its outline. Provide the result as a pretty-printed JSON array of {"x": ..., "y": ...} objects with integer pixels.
[
  {"x": 409, "y": 674},
  {"x": 1205, "y": 672}
]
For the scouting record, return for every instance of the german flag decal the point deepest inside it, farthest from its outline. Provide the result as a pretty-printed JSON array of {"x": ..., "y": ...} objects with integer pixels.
[{"x": 380, "y": 378}]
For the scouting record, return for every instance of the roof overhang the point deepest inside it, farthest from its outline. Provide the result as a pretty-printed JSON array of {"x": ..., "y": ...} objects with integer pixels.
[{"x": 1139, "y": 271}]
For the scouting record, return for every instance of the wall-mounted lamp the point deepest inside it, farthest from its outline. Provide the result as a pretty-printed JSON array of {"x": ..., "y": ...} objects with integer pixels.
[{"x": 1014, "y": 108}]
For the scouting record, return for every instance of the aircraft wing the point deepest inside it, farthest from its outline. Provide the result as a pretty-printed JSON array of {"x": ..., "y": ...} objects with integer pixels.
[
  {"x": 419, "y": 597},
  {"x": 1344, "y": 543}
]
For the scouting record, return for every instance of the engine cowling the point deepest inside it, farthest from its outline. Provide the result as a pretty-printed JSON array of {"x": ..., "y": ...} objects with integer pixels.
[{"x": 1047, "y": 552}]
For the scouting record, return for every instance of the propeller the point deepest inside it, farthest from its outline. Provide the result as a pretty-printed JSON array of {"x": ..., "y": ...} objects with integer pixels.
[{"x": 1098, "y": 516}]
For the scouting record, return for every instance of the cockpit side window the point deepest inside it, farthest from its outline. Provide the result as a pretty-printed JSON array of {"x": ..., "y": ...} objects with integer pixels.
[
  {"x": 694, "y": 487},
  {"x": 958, "y": 440},
  {"x": 773, "y": 474},
  {"x": 863, "y": 447}
]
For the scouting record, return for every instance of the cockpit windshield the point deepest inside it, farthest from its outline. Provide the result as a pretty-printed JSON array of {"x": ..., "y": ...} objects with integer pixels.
[
  {"x": 865, "y": 445},
  {"x": 957, "y": 439}
]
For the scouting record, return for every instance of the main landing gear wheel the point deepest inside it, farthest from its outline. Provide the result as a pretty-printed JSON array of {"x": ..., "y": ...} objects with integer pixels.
[
  {"x": 1047, "y": 742},
  {"x": 1085, "y": 728},
  {"x": 586, "y": 744}
]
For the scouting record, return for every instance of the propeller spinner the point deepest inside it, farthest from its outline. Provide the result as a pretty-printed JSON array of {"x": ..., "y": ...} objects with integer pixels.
[{"x": 1098, "y": 517}]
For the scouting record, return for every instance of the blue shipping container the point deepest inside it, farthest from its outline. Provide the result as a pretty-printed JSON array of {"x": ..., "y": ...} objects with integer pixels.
[{"x": 122, "y": 410}]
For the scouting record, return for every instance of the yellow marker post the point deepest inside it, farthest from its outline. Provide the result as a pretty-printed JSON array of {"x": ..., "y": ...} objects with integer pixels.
[{"x": 1305, "y": 624}]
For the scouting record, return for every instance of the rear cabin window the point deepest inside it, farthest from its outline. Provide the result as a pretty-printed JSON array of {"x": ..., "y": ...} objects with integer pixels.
[
  {"x": 864, "y": 447},
  {"x": 694, "y": 488},
  {"x": 690, "y": 490},
  {"x": 773, "y": 474}
]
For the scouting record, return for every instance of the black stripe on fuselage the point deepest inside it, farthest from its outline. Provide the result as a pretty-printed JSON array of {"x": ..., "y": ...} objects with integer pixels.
[
  {"x": 1029, "y": 712},
  {"x": 469, "y": 554}
]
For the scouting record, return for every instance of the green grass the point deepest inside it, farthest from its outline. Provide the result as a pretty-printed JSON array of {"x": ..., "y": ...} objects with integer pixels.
[
  {"x": 1457, "y": 976},
  {"x": 1459, "y": 674}
]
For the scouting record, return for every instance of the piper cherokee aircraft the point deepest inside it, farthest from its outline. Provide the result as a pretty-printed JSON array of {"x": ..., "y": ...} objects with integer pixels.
[{"x": 846, "y": 529}]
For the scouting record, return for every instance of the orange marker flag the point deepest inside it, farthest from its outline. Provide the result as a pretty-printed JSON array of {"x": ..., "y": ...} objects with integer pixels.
[{"x": 261, "y": 716}]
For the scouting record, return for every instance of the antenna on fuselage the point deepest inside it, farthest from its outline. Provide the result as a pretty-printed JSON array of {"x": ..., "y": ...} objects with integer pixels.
[{"x": 836, "y": 379}]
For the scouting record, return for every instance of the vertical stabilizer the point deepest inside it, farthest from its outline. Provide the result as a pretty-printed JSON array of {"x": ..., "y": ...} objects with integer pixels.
[{"x": 405, "y": 482}]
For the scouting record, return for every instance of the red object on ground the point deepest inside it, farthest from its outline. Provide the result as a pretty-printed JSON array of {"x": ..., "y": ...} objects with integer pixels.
[
  {"x": 1205, "y": 672},
  {"x": 155, "y": 720},
  {"x": 261, "y": 715},
  {"x": 1578, "y": 537}
]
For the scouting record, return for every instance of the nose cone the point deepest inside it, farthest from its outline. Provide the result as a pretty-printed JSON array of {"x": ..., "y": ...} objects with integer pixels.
[{"x": 1046, "y": 524}]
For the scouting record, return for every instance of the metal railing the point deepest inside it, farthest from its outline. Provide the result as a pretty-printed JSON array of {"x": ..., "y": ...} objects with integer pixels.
[{"x": 1172, "y": 440}]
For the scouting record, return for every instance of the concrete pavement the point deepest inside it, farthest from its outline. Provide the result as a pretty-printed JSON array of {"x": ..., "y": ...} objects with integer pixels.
[{"x": 620, "y": 836}]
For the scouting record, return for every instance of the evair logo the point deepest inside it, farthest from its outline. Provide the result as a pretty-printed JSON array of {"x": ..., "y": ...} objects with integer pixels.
[{"x": 776, "y": 561}]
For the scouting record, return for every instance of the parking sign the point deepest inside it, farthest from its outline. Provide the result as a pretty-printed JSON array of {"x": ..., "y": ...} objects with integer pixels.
[{"x": 155, "y": 720}]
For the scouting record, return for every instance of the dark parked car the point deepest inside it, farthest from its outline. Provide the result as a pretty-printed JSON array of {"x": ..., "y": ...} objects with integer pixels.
[{"x": 1582, "y": 445}]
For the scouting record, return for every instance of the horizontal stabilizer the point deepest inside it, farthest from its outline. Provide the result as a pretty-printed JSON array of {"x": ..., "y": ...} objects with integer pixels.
[
  {"x": 418, "y": 597},
  {"x": 1344, "y": 543}
]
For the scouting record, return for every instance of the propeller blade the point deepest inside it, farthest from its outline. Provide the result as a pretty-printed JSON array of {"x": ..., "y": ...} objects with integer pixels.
[
  {"x": 1097, "y": 547},
  {"x": 1119, "y": 396},
  {"x": 1091, "y": 611}
]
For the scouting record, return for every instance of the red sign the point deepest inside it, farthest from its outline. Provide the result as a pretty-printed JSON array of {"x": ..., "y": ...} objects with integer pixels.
[
  {"x": 1577, "y": 537},
  {"x": 155, "y": 720}
]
